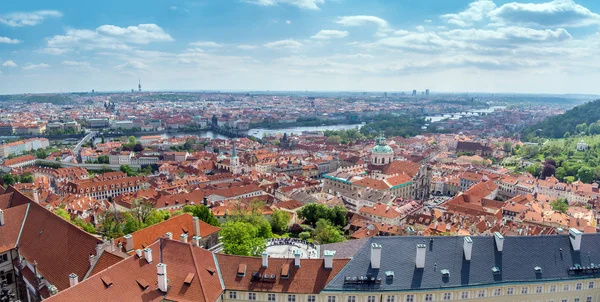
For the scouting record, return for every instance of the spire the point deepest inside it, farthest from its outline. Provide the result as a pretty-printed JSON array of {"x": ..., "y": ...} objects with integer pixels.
[
  {"x": 139, "y": 85},
  {"x": 233, "y": 153}
]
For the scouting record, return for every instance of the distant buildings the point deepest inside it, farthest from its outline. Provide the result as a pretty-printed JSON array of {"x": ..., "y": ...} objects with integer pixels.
[
  {"x": 23, "y": 146},
  {"x": 414, "y": 93}
]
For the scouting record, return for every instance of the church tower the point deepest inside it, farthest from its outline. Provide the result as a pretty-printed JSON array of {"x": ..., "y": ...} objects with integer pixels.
[{"x": 382, "y": 154}]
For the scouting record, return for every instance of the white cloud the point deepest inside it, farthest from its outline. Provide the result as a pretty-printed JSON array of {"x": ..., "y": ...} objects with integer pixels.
[
  {"x": 401, "y": 32},
  {"x": 132, "y": 65},
  {"x": 7, "y": 40},
  {"x": 558, "y": 13},
  {"x": 35, "y": 66},
  {"x": 55, "y": 51},
  {"x": 420, "y": 28},
  {"x": 326, "y": 34},
  {"x": 246, "y": 47},
  {"x": 284, "y": 44},
  {"x": 304, "y": 4},
  {"x": 9, "y": 64},
  {"x": 474, "y": 13},
  {"x": 361, "y": 20},
  {"x": 206, "y": 44},
  {"x": 107, "y": 37},
  {"x": 428, "y": 21},
  {"x": 508, "y": 35},
  {"x": 20, "y": 19},
  {"x": 288, "y": 22},
  {"x": 173, "y": 7}
]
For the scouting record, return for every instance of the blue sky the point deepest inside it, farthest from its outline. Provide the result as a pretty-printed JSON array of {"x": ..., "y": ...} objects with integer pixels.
[{"x": 357, "y": 45}]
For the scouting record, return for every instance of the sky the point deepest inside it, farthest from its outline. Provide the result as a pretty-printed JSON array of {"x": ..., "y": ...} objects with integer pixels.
[{"x": 317, "y": 45}]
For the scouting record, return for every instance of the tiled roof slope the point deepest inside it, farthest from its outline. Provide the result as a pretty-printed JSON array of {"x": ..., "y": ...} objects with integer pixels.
[
  {"x": 9, "y": 232},
  {"x": 516, "y": 262},
  {"x": 310, "y": 277},
  {"x": 59, "y": 247},
  {"x": 181, "y": 260}
]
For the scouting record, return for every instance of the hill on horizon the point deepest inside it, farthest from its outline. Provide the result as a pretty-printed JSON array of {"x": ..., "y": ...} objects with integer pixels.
[{"x": 582, "y": 119}]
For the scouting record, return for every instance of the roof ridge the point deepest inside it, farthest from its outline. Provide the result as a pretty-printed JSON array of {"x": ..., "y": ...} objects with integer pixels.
[{"x": 197, "y": 271}]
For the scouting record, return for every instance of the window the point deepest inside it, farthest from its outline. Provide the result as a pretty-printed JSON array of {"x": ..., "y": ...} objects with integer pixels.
[
  {"x": 232, "y": 295},
  {"x": 578, "y": 286},
  {"x": 481, "y": 294},
  {"x": 576, "y": 299},
  {"x": 3, "y": 258},
  {"x": 6, "y": 276},
  {"x": 428, "y": 297},
  {"x": 312, "y": 298},
  {"x": 252, "y": 296},
  {"x": 591, "y": 285},
  {"x": 292, "y": 298},
  {"x": 271, "y": 298},
  {"x": 566, "y": 288},
  {"x": 588, "y": 299},
  {"x": 497, "y": 292},
  {"x": 564, "y": 300},
  {"x": 524, "y": 290},
  {"x": 410, "y": 298},
  {"x": 447, "y": 296},
  {"x": 510, "y": 291},
  {"x": 464, "y": 295},
  {"x": 330, "y": 298},
  {"x": 390, "y": 298},
  {"x": 553, "y": 288},
  {"x": 351, "y": 298},
  {"x": 538, "y": 290},
  {"x": 371, "y": 299}
]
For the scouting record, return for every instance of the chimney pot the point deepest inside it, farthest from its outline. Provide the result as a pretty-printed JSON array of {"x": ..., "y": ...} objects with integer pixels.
[
  {"x": 169, "y": 235},
  {"x": 1, "y": 217},
  {"x": 161, "y": 271},
  {"x": 184, "y": 238},
  {"x": 138, "y": 252},
  {"x": 196, "y": 226},
  {"x": 148, "y": 254},
  {"x": 128, "y": 242},
  {"x": 468, "y": 248},
  {"x": 73, "y": 279},
  {"x": 420, "y": 258},
  {"x": 196, "y": 240},
  {"x": 375, "y": 255},
  {"x": 328, "y": 255},
  {"x": 297, "y": 258},
  {"x": 575, "y": 236},
  {"x": 265, "y": 259},
  {"x": 499, "y": 241}
]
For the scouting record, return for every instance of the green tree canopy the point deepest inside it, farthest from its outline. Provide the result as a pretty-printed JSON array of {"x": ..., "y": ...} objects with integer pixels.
[
  {"x": 559, "y": 205},
  {"x": 325, "y": 232},
  {"x": 242, "y": 238},
  {"x": 202, "y": 212},
  {"x": 585, "y": 174},
  {"x": 63, "y": 214},
  {"x": 279, "y": 221}
]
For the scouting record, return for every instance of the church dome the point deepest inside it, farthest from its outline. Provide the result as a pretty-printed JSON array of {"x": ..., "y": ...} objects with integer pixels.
[{"x": 382, "y": 149}]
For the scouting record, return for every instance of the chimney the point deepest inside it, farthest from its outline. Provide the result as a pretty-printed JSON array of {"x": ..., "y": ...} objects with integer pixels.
[
  {"x": 375, "y": 255},
  {"x": 196, "y": 240},
  {"x": 169, "y": 235},
  {"x": 138, "y": 252},
  {"x": 575, "y": 236},
  {"x": 1, "y": 217},
  {"x": 499, "y": 241},
  {"x": 468, "y": 247},
  {"x": 73, "y": 279},
  {"x": 328, "y": 255},
  {"x": 99, "y": 248},
  {"x": 148, "y": 254},
  {"x": 265, "y": 259},
  {"x": 196, "y": 226},
  {"x": 183, "y": 237},
  {"x": 161, "y": 271},
  {"x": 128, "y": 242},
  {"x": 297, "y": 258},
  {"x": 420, "y": 259}
]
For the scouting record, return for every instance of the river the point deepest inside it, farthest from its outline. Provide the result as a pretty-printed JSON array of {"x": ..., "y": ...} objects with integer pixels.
[
  {"x": 458, "y": 115},
  {"x": 257, "y": 132}
]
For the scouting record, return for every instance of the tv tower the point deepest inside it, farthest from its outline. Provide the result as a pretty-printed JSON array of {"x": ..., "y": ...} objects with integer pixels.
[{"x": 139, "y": 85}]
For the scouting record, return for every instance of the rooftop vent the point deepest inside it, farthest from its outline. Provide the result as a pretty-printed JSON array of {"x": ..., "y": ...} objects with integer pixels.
[
  {"x": 499, "y": 241},
  {"x": 241, "y": 270},
  {"x": 107, "y": 281},
  {"x": 575, "y": 236},
  {"x": 285, "y": 271},
  {"x": 389, "y": 274},
  {"x": 189, "y": 278},
  {"x": 495, "y": 270},
  {"x": 445, "y": 273},
  {"x": 538, "y": 270},
  {"x": 142, "y": 283}
]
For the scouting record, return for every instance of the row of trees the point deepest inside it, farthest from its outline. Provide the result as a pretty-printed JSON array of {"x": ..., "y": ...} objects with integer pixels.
[{"x": 10, "y": 180}]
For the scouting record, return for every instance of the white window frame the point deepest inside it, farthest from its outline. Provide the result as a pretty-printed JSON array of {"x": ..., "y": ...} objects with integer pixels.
[
  {"x": 428, "y": 297},
  {"x": 497, "y": 292},
  {"x": 510, "y": 291},
  {"x": 233, "y": 295},
  {"x": 524, "y": 290},
  {"x": 410, "y": 298},
  {"x": 291, "y": 298},
  {"x": 447, "y": 296},
  {"x": 311, "y": 298},
  {"x": 590, "y": 284},
  {"x": 464, "y": 295},
  {"x": 351, "y": 299},
  {"x": 371, "y": 298},
  {"x": 481, "y": 294},
  {"x": 390, "y": 299},
  {"x": 539, "y": 289},
  {"x": 552, "y": 288},
  {"x": 271, "y": 297},
  {"x": 331, "y": 299},
  {"x": 252, "y": 296},
  {"x": 578, "y": 286}
]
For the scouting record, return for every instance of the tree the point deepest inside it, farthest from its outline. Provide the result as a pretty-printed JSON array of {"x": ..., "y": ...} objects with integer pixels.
[
  {"x": 581, "y": 128},
  {"x": 325, "y": 232},
  {"x": 141, "y": 210},
  {"x": 548, "y": 170},
  {"x": 550, "y": 161},
  {"x": 507, "y": 146},
  {"x": 336, "y": 140},
  {"x": 131, "y": 140},
  {"x": 102, "y": 140},
  {"x": 9, "y": 180},
  {"x": 312, "y": 212},
  {"x": 304, "y": 235},
  {"x": 128, "y": 170},
  {"x": 561, "y": 173},
  {"x": 41, "y": 153},
  {"x": 242, "y": 238},
  {"x": 534, "y": 169},
  {"x": 337, "y": 215},
  {"x": 86, "y": 226},
  {"x": 104, "y": 159},
  {"x": 279, "y": 221},
  {"x": 585, "y": 174},
  {"x": 109, "y": 227},
  {"x": 138, "y": 147},
  {"x": 63, "y": 214},
  {"x": 559, "y": 205},
  {"x": 26, "y": 178},
  {"x": 202, "y": 212}
]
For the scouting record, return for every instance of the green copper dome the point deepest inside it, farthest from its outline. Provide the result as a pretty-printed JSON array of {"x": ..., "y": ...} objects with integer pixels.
[{"x": 382, "y": 149}]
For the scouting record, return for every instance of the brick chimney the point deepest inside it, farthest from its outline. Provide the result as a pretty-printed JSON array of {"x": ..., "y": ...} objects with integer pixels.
[{"x": 196, "y": 226}]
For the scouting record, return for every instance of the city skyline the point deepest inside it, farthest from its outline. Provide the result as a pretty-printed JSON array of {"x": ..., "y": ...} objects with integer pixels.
[{"x": 315, "y": 45}]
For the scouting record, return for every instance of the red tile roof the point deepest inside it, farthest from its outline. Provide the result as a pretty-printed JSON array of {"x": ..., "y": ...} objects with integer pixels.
[{"x": 9, "y": 232}]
